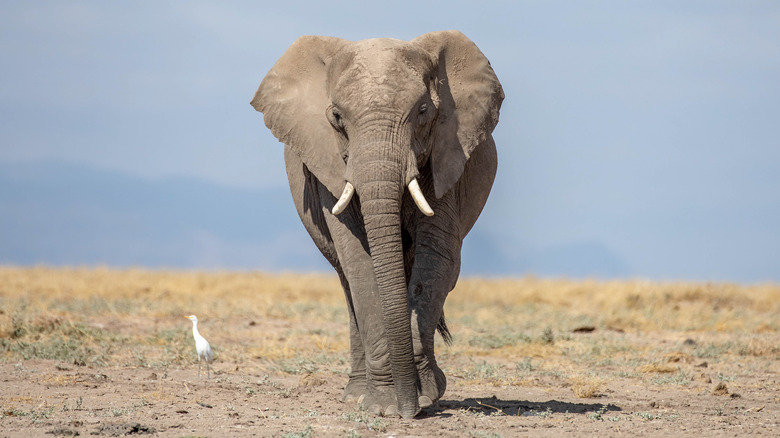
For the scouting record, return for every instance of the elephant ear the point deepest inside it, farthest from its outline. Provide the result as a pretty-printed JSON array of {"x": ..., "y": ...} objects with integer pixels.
[
  {"x": 293, "y": 98},
  {"x": 469, "y": 100}
]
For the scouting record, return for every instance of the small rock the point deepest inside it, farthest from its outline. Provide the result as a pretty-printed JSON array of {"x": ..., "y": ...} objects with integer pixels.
[
  {"x": 703, "y": 365},
  {"x": 689, "y": 342}
]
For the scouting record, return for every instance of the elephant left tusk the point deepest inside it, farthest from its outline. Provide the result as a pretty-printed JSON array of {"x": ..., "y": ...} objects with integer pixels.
[
  {"x": 419, "y": 198},
  {"x": 343, "y": 201}
]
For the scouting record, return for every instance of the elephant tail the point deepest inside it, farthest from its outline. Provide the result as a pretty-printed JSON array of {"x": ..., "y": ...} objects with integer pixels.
[{"x": 444, "y": 331}]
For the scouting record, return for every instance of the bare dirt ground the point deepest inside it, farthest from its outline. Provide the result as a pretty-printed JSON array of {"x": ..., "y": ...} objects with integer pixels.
[
  {"x": 47, "y": 397},
  {"x": 75, "y": 364}
]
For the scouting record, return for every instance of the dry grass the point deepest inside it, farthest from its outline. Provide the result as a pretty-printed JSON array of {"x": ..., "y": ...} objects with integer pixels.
[
  {"x": 123, "y": 317},
  {"x": 297, "y": 324},
  {"x": 627, "y": 305},
  {"x": 587, "y": 386}
]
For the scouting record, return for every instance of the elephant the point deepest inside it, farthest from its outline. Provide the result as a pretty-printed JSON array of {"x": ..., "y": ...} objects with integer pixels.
[{"x": 390, "y": 158}]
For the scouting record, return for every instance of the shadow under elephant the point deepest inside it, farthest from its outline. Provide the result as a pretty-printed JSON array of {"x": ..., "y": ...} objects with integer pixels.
[{"x": 494, "y": 405}]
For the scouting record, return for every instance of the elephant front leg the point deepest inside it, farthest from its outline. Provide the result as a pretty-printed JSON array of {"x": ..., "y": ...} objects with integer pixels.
[
  {"x": 356, "y": 386},
  {"x": 370, "y": 378}
]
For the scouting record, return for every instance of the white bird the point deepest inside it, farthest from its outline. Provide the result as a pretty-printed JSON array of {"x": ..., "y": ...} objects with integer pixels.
[{"x": 202, "y": 346}]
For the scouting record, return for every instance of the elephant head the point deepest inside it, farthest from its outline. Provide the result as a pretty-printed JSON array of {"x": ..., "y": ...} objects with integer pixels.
[{"x": 366, "y": 117}]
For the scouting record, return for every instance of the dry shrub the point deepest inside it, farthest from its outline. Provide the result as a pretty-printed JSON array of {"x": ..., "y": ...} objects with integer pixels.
[{"x": 587, "y": 386}]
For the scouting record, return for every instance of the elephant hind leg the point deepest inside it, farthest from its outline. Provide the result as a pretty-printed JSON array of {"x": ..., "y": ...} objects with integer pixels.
[
  {"x": 432, "y": 382},
  {"x": 434, "y": 274}
]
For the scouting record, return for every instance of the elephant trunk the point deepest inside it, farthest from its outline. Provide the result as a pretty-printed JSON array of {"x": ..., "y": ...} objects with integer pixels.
[{"x": 379, "y": 182}]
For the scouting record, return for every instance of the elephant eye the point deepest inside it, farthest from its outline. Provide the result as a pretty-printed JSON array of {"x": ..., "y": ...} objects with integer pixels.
[
  {"x": 425, "y": 113},
  {"x": 334, "y": 116}
]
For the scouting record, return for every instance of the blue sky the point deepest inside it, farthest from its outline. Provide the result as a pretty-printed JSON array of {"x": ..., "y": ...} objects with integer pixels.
[{"x": 647, "y": 130}]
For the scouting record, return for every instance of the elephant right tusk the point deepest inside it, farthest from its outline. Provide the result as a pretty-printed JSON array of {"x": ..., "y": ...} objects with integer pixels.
[
  {"x": 419, "y": 198},
  {"x": 346, "y": 196}
]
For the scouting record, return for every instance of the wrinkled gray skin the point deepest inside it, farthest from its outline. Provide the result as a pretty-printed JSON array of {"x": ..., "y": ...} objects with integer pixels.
[{"x": 379, "y": 113}]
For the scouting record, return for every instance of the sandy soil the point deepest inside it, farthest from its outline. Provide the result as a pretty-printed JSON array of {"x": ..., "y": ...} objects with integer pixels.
[{"x": 43, "y": 398}]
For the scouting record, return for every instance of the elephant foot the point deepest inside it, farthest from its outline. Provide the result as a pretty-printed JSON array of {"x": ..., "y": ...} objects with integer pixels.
[
  {"x": 433, "y": 383},
  {"x": 355, "y": 389},
  {"x": 381, "y": 402}
]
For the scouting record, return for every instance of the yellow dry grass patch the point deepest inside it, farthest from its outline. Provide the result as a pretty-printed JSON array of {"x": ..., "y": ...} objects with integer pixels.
[
  {"x": 59, "y": 379},
  {"x": 22, "y": 399},
  {"x": 658, "y": 368},
  {"x": 627, "y": 305},
  {"x": 298, "y": 323}
]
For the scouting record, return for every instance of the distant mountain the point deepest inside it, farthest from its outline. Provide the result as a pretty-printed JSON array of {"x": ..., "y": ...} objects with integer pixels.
[
  {"x": 59, "y": 214},
  {"x": 484, "y": 254},
  {"x": 62, "y": 214}
]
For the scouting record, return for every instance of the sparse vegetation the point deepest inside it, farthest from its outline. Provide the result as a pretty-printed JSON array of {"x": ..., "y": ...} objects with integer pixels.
[
  {"x": 378, "y": 425},
  {"x": 599, "y": 415},
  {"x": 307, "y": 432},
  {"x": 648, "y": 416},
  {"x": 681, "y": 377}
]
